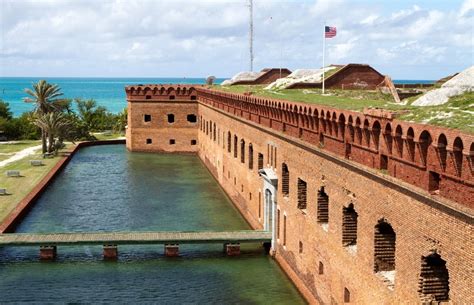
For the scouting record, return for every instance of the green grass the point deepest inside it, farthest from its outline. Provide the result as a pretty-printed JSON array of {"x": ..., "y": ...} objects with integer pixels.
[
  {"x": 460, "y": 108},
  {"x": 19, "y": 187},
  {"x": 20, "y": 145},
  {"x": 107, "y": 136},
  {"x": 457, "y": 113}
]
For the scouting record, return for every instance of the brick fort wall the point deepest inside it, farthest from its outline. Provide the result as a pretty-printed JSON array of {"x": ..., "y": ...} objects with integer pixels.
[{"x": 360, "y": 218}]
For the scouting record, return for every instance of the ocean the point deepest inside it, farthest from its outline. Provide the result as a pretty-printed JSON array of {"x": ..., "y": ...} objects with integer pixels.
[{"x": 108, "y": 92}]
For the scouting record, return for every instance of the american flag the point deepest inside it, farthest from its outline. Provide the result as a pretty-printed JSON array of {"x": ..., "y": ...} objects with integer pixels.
[{"x": 329, "y": 31}]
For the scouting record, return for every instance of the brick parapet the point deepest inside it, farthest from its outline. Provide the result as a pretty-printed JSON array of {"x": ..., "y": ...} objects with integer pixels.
[{"x": 431, "y": 157}]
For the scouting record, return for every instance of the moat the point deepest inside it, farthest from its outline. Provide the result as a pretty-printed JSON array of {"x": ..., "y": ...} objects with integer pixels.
[{"x": 106, "y": 188}]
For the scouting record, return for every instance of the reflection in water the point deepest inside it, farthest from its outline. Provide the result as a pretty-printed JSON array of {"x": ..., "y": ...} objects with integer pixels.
[{"x": 105, "y": 188}]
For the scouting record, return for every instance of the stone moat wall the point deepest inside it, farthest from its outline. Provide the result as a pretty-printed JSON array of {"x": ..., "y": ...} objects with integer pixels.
[{"x": 352, "y": 226}]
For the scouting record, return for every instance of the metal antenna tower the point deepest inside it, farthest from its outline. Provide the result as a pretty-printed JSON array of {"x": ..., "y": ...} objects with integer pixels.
[{"x": 251, "y": 33}]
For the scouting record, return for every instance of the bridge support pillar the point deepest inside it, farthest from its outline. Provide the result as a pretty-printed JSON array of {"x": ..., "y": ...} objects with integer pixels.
[
  {"x": 171, "y": 250},
  {"x": 232, "y": 249},
  {"x": 48, "y": 253},
  {"x": 267, "y": 247},
  {"x": 110, "y": 252}
]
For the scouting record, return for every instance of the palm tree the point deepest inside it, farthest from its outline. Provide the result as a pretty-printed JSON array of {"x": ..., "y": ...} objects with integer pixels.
[
  {"x": 45, "y": 96},
  {"x": 53, "y": 123},
  {"x": 87, "y": 112}
]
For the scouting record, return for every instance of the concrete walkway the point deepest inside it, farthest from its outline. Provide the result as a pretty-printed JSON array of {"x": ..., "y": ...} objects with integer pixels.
[{"x": 20, "y": 155}]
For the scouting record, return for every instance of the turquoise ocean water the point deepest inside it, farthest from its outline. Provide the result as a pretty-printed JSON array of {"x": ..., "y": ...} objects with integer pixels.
[{"x": 108, "y": 92}]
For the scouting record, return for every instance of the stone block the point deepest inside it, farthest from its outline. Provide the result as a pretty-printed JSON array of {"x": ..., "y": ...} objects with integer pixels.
[
  {"x": 171, "y": 250},
  {"x": 232, "y": 249},
  {"x": 110, "y": 252},
  {"x": 48, "y": 253}
]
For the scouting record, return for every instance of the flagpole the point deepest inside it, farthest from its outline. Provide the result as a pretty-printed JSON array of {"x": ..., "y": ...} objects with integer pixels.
[{"x": 324, "y": 49}]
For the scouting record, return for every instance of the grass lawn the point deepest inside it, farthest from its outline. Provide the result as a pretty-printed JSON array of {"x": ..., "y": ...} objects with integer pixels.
[
  {"x": 19, "y": 187},
  {"x": 101, "y": 136},
  {"x": 458, "y": 113},
  {"x": 20, "y": 145}
]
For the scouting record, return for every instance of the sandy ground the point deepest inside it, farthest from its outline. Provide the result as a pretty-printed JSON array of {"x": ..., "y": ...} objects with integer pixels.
[
  {"x": 20, "y": 155},
  {"x": 463, "y": 82}
]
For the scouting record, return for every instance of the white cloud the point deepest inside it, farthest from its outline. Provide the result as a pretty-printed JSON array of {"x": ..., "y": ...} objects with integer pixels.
[
  {"x": 467, "y": 9},
  {"x": 196, "y": 38}
]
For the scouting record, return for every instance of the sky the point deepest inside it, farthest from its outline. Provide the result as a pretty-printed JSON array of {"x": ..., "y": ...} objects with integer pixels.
[{"x": 426, "y": 39}]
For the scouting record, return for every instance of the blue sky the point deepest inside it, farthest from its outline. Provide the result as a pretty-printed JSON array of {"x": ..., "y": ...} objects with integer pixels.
[{"x": 146, "y": 38}]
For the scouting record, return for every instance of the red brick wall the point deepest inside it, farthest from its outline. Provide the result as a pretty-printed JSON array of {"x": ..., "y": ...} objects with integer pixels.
[
  {"x": 368, "y": 137},
  {"x": 355, "y": 77},
  {"x": 346, "y": 162},
  {"x": 373, "y": 200},
  {"x": 158, "y": 130}
]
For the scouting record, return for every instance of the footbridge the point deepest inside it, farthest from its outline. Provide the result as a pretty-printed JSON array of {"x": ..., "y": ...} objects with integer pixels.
[{"x": 49, "y": 242}]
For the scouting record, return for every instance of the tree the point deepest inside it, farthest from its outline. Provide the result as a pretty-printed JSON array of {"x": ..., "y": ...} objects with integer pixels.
[
  {"x": 87, "y": 112},
  {"x": 5, "y": 110},
  {"x": 53, "y": 124},
  {"x": 45, "y": 96},
  {"x": 120, "y": 121}
]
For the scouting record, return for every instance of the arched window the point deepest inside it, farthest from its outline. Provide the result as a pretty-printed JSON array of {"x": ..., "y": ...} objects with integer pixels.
[
  {"x": 384, "y": 247},
  {"x": 214, "y": 132},
  {"x": 376, "y": 133},
  {"x": 250, "y": 156},
  {"x": 323, "y": 206},
  {"x": 170, "y": 118},
  {"x": 388, "y": 137},
  {"x": 210, "y": 130},
  {"x": 366, "y": 133},
  {"x": 442, "y": 152},
  {"x": 235, "y": 146},
  {"x": 285, "y": 180},
  {"x": 358, "y": 132},
  {"x": 411, "y": 144},
  {"x": 425, "y": 142},
  {"x": 434, "y": 279},
  {"x": 242, "y": 151},
  {"x": 229, "y": 142},
  {"x": 457, "y": 152},
  {"x": 302, "y": 194},
  {"x": 399, "y": 141},
  {"x": 342, "y": 125},
  {"x": 349, "y": 226},
  {"x": 260, "y": 161}
]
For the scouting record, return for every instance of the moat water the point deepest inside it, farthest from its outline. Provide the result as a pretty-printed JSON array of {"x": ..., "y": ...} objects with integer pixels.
[{"x": 106, "y": 188}]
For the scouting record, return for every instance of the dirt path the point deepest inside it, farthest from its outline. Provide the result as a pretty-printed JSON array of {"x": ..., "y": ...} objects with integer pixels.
[{"x": 20, "y": 155}]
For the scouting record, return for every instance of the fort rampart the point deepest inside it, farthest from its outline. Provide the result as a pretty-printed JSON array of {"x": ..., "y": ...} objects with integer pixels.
[{"x": 369, "y": 209}]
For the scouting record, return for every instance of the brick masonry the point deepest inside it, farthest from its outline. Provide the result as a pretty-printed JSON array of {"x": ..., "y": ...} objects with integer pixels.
[
  {"x": 156, "y": 132},
  {"x": 351, "y": 76},
  {"x": 348, "y": 154}
]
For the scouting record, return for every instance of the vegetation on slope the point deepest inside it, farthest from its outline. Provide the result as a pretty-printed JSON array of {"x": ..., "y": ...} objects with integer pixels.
[{"x": 458, "y": 113}]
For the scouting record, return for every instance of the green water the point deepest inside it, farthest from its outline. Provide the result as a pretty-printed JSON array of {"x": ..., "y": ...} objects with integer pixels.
[{"x": 105, "y": 188}]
